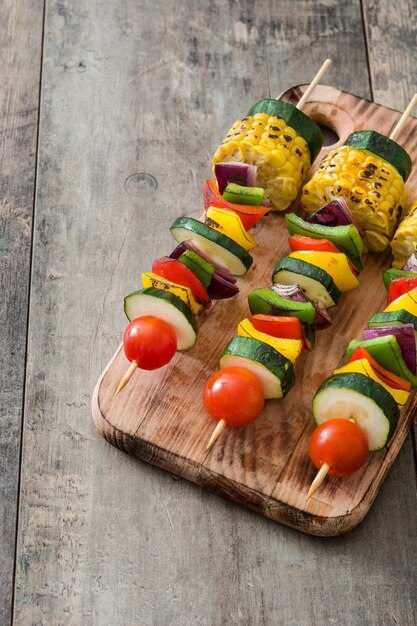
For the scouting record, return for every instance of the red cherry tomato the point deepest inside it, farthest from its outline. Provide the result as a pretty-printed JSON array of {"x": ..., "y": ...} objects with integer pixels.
[
  {"x": 177, "y": 272},
  {"x": 341, "y": 444},
  {"x": 235, "y": 395},
  {"x": 248, "y": 214},
  {"x": 150, "y": 342}
]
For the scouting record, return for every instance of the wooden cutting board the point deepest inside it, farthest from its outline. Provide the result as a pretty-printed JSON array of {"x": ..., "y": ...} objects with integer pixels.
[{"x": 159, "y": 417}]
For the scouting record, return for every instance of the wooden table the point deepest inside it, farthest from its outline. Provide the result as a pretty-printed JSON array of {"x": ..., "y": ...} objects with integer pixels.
[{"x": 110, "y": 112}]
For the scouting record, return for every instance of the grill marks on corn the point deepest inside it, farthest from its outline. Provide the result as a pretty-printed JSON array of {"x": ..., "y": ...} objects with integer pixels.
[
  {"x": 279, "y": 152},
  {"x": 372, "y": 187}
]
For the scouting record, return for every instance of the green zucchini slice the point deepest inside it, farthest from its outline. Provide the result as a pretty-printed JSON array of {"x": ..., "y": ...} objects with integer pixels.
[
  {"x": 274, "y": 370},
  {"x": 317, "y": 284},
  {"x": 221, "y": 248},
  {"x": 384, "y": 147},
  {"x": 356, "y": 396},
  {"x": 390, "y": 318},
  {"x": 167, "y": 306},
  {"x": 295, "y": 118}
]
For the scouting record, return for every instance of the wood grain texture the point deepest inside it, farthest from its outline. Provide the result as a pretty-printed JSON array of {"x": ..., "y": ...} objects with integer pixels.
[
  {"x": 265, "y": 466},
  {"x": 135, "y": 90},
  {"x": 20, "y": 51}
]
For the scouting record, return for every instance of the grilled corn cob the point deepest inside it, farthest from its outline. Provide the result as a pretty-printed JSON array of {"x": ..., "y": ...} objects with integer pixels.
[
  {"x": 373, "y": 188},
  {"x": 281, "y": 155},
  {"x": 404, "y": 242}
]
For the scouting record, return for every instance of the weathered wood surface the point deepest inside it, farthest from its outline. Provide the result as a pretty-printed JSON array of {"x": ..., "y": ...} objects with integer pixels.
[
  {"x": 160, "y": 417},
  {"x": 148, "y": 88},
  {"x": 20, "y": 66}
]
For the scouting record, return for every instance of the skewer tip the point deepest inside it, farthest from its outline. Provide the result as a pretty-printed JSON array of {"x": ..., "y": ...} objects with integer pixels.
[
  {"x": 216, "y": 433},
  {"x": 127, "y": 376},
  {"x": 321, "y": 475}
]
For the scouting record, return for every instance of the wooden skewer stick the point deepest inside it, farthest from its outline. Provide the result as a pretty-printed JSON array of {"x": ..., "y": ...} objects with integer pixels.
[
  {"x": 127, "y": 376},
  {"x": 318, "y": 479},
  {"x": 404, "y": 117},
  {"x": 313, "y": 83},
  {"x": 216, "y": 433}
]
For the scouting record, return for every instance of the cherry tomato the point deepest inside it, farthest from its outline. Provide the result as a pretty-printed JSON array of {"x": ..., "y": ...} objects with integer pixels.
[
  {"x": 340, "y": 443},
  {"x": 235, "y": 395},
  {"x": 248, "y": 214},
  {"x": 177, "y": 272},
  {"x": 150, "y": 342}
]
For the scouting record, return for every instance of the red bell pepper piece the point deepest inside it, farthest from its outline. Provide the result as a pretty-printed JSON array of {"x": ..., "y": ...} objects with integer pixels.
[
  {"x": 248, "y": 214},
  {"x": 301, "y": 242},
  {"x": 281, "y": 327},
  {"x": 177, "y": 272},
  {"x": 394, "y": 381},
  {"x": 399, "y": 287}
]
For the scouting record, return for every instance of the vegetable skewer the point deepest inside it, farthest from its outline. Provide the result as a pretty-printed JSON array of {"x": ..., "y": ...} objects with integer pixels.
[
  {"x": 370, "y": 172},
  {"x": 374, "y": 385},
  {"x": 221, "y": 243}
]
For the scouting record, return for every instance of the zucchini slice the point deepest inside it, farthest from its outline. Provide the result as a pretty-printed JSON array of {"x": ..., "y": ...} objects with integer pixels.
[
  {"x": 386, "y": 350},
  {"x": 317, "y": 284},
  {"x": 268, "y": 302},
  {"x": 384, "y": 147},
  {"x": 295, "y": 118},
  {"x": 149, "y": 279},
  {"x": 353, "y": 395},
  {"x": 392, "y": 274},
  {"x": 392, "y": 318},
  {"x": 223, "y": 250},
  {"x": 168, "y": 307},
  {"x": 346, "y": 238},
  {"x": 274, "y": 370}
]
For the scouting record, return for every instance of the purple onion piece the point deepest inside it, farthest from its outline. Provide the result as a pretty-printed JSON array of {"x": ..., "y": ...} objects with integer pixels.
[
  {"x": 220, "y": 289},
  {"x": 296, "y": 294},
  {"x": 266, "y": 201},
  {"x": 232, "y": 172},
  {"x": 411, "y": 264},
  {"x": 178, "y": 251},
  {"x": 335, "y": 213},
  {"x": 290, "y": 292},
  {"x": 405, "y": 336}
]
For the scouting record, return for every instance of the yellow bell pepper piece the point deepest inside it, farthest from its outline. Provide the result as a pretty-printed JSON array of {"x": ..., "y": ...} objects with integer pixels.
[
  {"x": 230, "y": 224},
  {"x": 408, "y": 302},
  {"x": 290, "y": 348},
  {"x": 335, "y": 264},
  {"x": 362, "y": 366},
  {"x": 153, "y": 280}
]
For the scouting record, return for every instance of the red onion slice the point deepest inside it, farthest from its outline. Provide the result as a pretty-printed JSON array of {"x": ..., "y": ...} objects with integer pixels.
[
  {"x": 232, "y": 172},
  {"x": 404, "y": 333}
]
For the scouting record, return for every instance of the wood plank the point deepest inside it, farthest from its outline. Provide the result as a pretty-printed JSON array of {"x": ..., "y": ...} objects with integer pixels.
[
  {"x": 160, "y": 416},
  {"x": 390, "y": 33},
  {"x": 104, "y": 538},
  {"x": 20, "y": 51}
]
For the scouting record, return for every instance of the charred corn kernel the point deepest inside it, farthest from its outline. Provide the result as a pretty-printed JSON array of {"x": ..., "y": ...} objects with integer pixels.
[
  {"x": 149, "y": 279},
  {"x": 281, "y": 155},
  {"x": 372, "y": 187},
  {"x": 230, "y": 224},
  {"x": 404, "y": 243}
]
